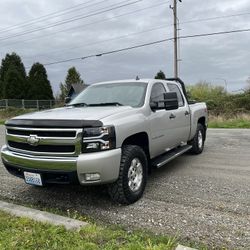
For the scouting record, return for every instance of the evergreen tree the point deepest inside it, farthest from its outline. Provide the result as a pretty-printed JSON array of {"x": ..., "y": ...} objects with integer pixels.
[
  {"x": 40, "y": 88},
  {"x": 12, "y": 62},
  {"x": 1, "y": 89},
  {"x": 63, "y": 92},
  {"x": 14, "y": 84},
  {"x": 160, "y": 75},
  {"x": 73, "y": 77}
]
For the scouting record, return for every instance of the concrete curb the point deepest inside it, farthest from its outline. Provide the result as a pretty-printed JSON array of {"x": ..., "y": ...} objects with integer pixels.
[{"x": 45, "y": 217}]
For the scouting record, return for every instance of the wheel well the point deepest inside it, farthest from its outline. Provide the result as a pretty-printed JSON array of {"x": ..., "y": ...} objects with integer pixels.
[
  {"x": 202, "y": 121},
  {"x": 139, "y": 139}
]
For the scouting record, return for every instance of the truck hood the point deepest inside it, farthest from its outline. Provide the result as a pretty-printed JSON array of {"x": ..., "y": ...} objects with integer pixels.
[{"x": 74, "y": 113}]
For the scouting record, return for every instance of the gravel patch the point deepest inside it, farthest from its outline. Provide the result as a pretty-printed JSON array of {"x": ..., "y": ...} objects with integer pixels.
[{"x": 201, "y": 198}]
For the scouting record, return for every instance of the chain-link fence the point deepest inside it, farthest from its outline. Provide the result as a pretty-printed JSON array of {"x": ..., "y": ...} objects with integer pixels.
[{"x": 26, "y": 104}]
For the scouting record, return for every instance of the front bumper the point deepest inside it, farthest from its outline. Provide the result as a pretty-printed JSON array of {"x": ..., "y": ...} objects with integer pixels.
[
  {"x": 48, "y": 176},
  {"x": 106, "y": 164}
]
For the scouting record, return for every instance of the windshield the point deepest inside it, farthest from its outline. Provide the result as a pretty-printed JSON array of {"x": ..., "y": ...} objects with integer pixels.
[{"x": 127, "y": 94}]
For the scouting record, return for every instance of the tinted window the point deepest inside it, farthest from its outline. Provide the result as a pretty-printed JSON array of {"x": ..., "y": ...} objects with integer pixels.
[
  {"x": 157, "y": 92},
  {"x": 175, "y": 88}
]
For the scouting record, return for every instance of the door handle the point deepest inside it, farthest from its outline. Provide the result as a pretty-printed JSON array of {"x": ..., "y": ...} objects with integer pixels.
[
  {"x": 172, "y": 116},
  {"x": 187, "y": 113}
]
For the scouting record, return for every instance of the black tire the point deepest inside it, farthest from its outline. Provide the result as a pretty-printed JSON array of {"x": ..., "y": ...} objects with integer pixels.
[
  {"x": 197, "y": 146},
  {"x": 121, "y": 190}
]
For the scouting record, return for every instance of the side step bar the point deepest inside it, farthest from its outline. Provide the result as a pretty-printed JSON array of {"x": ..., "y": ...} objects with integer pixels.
[{"x": 163, "y": 159}]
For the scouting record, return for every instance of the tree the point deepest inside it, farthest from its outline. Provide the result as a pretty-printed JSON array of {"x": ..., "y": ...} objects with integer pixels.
[
  {"x": 160, "y": 75},
  {"x": 14, "y": 84},
  {"x": 14, "y": 63},
  {"x": 40, "y": 87},
  {"x": 214, "y": 96},
  {"x": 73, "y": 77},
  {"x": 1, "y": 89}
]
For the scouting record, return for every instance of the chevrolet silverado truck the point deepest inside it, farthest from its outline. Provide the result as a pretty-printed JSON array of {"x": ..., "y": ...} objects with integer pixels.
[{"x": 112, "y": 133}]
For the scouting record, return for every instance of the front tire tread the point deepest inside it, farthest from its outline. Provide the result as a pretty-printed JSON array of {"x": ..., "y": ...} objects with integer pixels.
[{"x": 119, "y": 190}]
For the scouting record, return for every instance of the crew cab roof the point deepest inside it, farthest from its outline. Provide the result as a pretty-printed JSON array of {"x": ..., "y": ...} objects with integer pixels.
[{"x": 146, "y": 80}]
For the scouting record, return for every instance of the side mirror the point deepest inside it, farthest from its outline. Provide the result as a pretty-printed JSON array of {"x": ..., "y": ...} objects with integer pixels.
[
  {"x": 157, "y": 105},
  {"x": 171, "y": 101},
  {"x": 154, "y": 105},
  {"x": 67, "y": 100}
]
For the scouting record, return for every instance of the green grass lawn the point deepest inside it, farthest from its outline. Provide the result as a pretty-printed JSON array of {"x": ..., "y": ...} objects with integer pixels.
[
  {"x": 22, "y": 233},
  {"x": 241, "y": 121},
  {"x": 230, "y": 124}
]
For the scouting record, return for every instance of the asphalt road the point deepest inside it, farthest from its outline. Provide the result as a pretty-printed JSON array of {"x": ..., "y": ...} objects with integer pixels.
[{"x": 204, "y": 198}]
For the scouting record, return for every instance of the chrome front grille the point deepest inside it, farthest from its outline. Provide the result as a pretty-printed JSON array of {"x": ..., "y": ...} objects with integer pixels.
[
  {"x": 44, "y": 141},
  {"x": 44, "y": 133}
]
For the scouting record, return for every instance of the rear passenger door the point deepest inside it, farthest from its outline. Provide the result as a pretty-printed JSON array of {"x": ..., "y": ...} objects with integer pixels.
[{"x": 182, "y": 116}]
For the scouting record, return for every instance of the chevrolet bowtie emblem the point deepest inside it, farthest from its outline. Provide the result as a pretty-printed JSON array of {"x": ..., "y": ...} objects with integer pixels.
[{"x": 33, "y": 140}]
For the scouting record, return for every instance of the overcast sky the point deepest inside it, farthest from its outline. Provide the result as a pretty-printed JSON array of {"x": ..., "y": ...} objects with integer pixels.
[{"x": 207, "y": 58}]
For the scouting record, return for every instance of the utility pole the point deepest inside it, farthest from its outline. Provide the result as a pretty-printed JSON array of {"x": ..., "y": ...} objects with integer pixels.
[{"x": 176, "y": 59}]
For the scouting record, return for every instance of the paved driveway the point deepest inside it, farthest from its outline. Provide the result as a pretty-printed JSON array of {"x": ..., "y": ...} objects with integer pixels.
[{"x": 204, "y": 198}]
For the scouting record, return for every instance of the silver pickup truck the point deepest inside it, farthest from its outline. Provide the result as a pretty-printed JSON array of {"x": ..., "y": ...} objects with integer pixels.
[{"x": 112, "y": 133}]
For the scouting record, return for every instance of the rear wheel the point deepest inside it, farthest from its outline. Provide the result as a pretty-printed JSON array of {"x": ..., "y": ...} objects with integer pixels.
[
  {"x": 198, "y": 141},
  {"x": 132, "y": 177}
]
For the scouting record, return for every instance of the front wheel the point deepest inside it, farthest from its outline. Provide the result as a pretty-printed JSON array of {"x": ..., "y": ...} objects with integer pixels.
[
  {"x": 132, "y": 176},
  {"x": 198, "y": 141}
]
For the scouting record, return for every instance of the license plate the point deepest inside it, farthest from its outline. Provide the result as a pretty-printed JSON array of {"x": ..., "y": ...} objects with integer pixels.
[{"x": 33, "y": 179}]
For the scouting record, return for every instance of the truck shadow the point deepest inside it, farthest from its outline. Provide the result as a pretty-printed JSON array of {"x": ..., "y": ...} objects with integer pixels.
[
  {"x": 172, "y": 167},
  {"x": 82, "y": 198}
]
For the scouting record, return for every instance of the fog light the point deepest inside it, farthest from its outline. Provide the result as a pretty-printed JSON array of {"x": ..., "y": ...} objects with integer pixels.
[{"x": 92, "y": 177}]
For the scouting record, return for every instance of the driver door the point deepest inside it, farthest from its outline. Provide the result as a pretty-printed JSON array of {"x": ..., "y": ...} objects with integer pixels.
[{"x": 162, "y": 127}]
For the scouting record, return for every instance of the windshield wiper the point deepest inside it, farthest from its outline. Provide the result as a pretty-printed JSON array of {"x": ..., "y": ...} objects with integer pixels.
[
  {"x": 105, "y": 104},
  {"x": 80, "y": 104}
]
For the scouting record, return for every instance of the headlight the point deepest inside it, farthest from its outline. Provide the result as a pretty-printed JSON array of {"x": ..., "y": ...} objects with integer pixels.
[{"x": 98, "y": 139}]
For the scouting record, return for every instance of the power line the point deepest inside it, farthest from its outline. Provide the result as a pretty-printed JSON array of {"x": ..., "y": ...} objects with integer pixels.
[
  {"x": 215, "y": 18},
  {"x": 51, "y": 15},
  {"x": 71, "y": 9},
  {"x": 76, "y": 18},
  {"x": 100, "y": 11},
  {"x": 160, "y": 27},
  {"x": 128, "y": 13},
  {"x": 90, "y": 23},
  {"x": 114, "y": 38},
  {"x": 38, "y": 18},
  {"x": 103, "y": 41},
  {"x": 216, "y": 33},
  {"x": 148, "y": 44}
]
